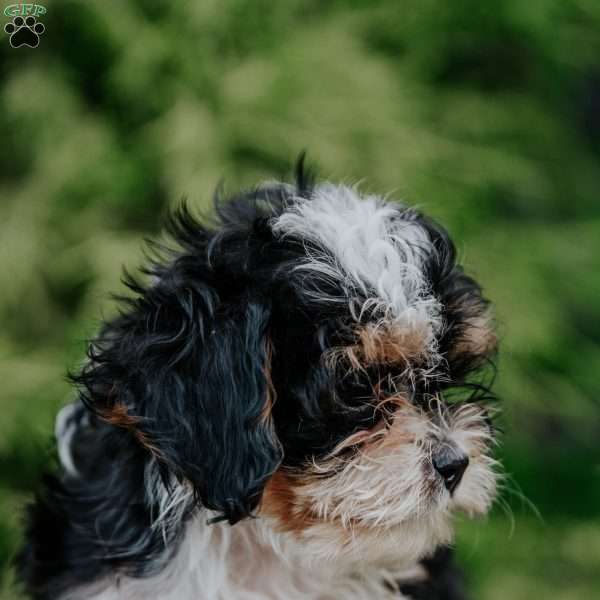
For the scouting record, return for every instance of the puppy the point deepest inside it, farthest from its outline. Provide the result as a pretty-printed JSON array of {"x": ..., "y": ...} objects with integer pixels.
[{"x": 292, "y": 407}]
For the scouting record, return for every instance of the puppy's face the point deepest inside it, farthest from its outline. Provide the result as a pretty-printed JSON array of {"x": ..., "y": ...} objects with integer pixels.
[
  {"x": 313, "y": 359},
  {"x": 383, "y": 437}
]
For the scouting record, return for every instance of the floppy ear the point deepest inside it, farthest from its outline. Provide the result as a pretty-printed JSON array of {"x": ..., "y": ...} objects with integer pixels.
[{"x": 187, "y": 373}]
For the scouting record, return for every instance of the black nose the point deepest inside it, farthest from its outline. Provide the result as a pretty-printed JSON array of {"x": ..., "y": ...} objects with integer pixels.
[{"x": 450, "y": 463}]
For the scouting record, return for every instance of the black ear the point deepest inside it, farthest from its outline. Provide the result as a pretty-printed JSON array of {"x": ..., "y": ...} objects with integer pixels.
[{"x": 186, "y": 370}]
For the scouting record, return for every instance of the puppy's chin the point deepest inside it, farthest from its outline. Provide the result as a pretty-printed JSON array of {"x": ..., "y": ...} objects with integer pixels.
[
  {"x": 359, "y": 549},
  {"x": 395, "y": 547},
  {"x": 378, "y": 500}
]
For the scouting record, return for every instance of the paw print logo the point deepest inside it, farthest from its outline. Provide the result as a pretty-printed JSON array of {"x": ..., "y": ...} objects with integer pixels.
[{"x": 24, "y": 32}]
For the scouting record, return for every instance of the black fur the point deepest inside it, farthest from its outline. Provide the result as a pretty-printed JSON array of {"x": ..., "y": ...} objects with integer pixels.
[
  {"x": 444, "y": 581},
  {"x": 184, "y": 366}
]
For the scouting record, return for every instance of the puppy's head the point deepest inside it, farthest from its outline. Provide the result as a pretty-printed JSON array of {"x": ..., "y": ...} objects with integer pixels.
[{"x": 311, "y": 356}]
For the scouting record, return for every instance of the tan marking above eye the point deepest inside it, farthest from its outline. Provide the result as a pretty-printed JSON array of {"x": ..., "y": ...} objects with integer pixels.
[
  {"x": 478, "y": 337},
  {"x": 385, "y": 343}
]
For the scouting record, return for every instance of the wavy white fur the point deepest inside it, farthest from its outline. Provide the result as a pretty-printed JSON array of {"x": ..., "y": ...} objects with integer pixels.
[
  {"x": 66, "y": 425},
  {"x": 248, "y": 562},
  {"x": 376, "y": 246}
]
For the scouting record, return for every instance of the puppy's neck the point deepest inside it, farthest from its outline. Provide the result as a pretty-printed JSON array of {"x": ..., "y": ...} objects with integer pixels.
[{"x": 252, "y": 560}]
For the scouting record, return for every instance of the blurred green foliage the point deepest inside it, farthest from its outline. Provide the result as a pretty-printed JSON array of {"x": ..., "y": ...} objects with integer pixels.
[{"x": 485, "y": 114}]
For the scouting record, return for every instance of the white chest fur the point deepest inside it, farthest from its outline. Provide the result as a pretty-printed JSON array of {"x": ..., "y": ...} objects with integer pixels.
[{"x": 248, "y": 562}]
